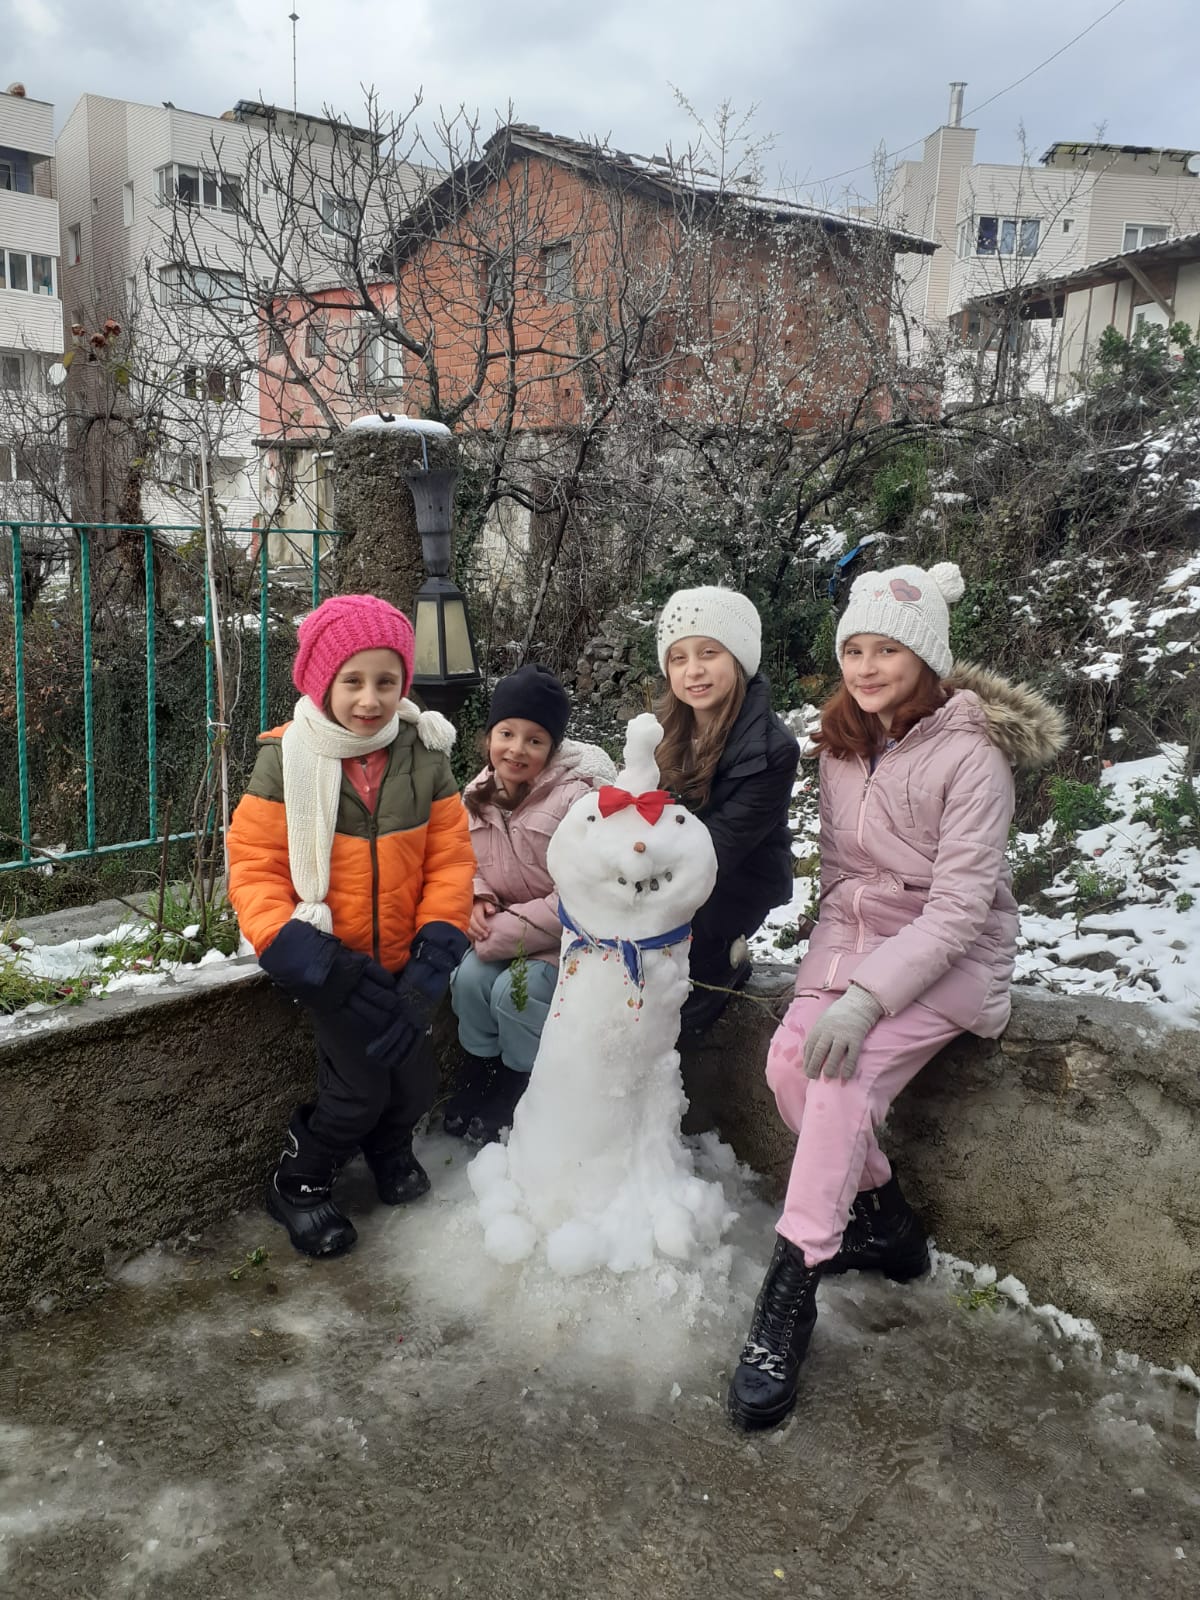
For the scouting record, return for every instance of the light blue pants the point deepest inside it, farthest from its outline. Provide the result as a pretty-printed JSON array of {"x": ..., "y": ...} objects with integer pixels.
[{"x": 489, "y": 1023}]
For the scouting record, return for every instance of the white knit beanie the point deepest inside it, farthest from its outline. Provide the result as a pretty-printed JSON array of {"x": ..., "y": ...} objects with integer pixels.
[
  {"x": 712, "y": 613},
  {"x": 909, "y": 605}
]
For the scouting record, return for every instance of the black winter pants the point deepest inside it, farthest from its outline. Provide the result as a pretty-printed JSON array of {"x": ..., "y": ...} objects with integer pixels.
[{"x": 369, "y": 1104}]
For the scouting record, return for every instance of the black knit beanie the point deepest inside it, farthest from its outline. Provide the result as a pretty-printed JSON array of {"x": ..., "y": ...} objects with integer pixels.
[{"x": 534, "y": 693}]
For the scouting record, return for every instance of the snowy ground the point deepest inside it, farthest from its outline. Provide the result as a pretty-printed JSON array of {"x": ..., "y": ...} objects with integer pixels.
[{"x": 417, "y": 1420}]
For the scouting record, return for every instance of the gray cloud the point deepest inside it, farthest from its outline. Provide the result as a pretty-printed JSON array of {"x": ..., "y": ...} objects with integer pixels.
[{"x": 833, "y": 81}]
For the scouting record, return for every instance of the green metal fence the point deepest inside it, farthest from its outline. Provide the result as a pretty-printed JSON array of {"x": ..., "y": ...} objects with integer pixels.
[{"x": 77, "y": 546}]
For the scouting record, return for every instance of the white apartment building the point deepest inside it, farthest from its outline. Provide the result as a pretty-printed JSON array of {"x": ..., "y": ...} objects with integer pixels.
[
  {"x": 31, "y": 313},
  {"x": 131, "y": 177},
  {"x": 1004, "y": 227}
]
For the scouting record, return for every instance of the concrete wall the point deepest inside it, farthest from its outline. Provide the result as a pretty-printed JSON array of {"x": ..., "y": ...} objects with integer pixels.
[{"x": 1068, "y": 1154}]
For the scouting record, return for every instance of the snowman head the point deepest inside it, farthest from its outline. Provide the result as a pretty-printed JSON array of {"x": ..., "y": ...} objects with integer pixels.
[{"x": 626, "y": 864}]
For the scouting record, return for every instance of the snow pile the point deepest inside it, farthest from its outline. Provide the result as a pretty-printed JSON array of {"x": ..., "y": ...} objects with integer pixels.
[
  {"x": 595, "y": 1166},
  {"x": 386, "y": 423},
  {"x": 1125, "y": 921},
  {"x": 105, "y": 964}
]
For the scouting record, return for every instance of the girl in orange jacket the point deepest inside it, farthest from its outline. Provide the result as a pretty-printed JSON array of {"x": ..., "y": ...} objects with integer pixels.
[{"x": 351, "y": 872}]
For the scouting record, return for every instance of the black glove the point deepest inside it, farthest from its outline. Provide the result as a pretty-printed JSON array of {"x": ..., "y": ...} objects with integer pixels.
[
  {"x": 436, "y": 951},
  {"x": 335, "y": 983}
]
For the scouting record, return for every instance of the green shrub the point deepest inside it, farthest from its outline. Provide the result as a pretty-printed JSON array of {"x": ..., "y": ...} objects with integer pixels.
[
  {"x": 1171, "y": 812},
  {"x": 1076, "y": 806}
]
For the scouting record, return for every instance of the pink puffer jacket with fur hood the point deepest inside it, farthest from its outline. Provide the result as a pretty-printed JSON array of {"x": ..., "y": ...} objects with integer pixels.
[
  {"x": 916, "y": 892},
  {"x": 510, "y": 853}
]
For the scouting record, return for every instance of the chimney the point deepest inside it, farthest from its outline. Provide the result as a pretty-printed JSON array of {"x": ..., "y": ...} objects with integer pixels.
[{"x": 956, "y": 103}]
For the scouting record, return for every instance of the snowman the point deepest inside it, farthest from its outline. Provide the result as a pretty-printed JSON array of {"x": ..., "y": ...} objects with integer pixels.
[{"x": 594, "y": 1167}]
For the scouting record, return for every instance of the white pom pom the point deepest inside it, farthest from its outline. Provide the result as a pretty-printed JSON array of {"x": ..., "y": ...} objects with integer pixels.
[
  {"x": 436, "y": 732},
  {"x": 949, "y": 580}
]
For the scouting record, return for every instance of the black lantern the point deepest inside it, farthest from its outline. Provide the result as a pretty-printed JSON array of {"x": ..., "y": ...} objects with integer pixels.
[
  {"x": 433, "y": 496},
  {"x": 445, "y": 664}
]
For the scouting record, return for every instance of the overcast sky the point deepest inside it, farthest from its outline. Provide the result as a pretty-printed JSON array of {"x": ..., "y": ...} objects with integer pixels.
[{"x": 831, "y": 79}]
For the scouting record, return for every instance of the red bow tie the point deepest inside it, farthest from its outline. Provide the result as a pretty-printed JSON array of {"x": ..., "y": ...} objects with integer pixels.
[{"x": 649, "y": 805}]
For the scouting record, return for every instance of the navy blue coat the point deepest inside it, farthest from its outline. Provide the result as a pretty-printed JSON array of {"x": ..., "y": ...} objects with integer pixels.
[{"x": 747, "y": 815}]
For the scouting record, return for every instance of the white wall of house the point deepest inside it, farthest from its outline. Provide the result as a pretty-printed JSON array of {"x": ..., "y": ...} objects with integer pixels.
[
  {"x": 1082, "y": 205},
  {"x": 31, "y": 311}
]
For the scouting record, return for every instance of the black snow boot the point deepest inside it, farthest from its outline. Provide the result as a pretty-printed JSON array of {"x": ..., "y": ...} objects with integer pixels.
[
  {"x": 885, "y": 1235},
  {"x": 474, "y": 1080},
  {"x": 399, "y": 1176},
  {"x": 300, "y": 1194},
  {"x": 763, "y": 1388},
  {"x": 496, "y": 1112}
]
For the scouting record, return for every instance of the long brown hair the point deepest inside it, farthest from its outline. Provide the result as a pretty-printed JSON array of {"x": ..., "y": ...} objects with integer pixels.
[
  {"x": 687, "y": 757},
  {"x": 847, "y": 730}
]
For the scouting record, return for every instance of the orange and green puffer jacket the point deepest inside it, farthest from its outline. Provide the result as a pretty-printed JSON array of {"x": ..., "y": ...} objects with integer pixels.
[{"x": 409, "y": 864}]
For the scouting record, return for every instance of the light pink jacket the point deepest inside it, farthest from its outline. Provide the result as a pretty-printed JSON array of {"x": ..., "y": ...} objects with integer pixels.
[
  {"x": 510, "y": 853},
  {"x": 916, "y": 891}
]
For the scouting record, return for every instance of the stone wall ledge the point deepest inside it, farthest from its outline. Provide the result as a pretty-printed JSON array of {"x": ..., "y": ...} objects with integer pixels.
[{"x": 1068, "y": 1153}]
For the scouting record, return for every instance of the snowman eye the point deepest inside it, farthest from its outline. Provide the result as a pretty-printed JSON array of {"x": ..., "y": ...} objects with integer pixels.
[
  {"x": 592, "y": 818},
  {"x": 679, "y": 820}
]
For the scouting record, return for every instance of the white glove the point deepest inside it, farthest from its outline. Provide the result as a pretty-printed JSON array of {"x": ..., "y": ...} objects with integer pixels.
[{"x": 837, "y": 1035}]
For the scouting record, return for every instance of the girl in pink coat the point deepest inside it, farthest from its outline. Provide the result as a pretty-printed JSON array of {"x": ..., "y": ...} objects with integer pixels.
[
  {"x": 914, "y": 945},
  {"x": 531, "y": 780}
]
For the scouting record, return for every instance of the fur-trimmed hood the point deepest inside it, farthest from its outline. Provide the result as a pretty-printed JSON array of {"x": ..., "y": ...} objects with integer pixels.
[{"x": 1027, "y": 728}]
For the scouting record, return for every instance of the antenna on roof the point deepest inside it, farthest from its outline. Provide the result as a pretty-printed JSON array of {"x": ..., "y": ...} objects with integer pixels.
[{"x": 294, "y": 18}]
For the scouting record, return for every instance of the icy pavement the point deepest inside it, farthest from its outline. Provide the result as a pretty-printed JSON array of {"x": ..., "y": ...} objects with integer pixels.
[{"x": 417, "y": 1420}]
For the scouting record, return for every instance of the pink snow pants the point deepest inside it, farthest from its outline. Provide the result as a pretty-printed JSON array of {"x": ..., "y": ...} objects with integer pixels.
[{"x": 837, "y": 1153}]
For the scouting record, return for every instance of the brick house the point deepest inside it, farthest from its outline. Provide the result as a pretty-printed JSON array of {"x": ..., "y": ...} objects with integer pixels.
[{"x": 548, "y": 277}]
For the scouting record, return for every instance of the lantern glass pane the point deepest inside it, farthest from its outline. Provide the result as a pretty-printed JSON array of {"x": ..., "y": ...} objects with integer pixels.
[
  {"x": 426, "y": 662},
  {"x": 460, "y": 658}
]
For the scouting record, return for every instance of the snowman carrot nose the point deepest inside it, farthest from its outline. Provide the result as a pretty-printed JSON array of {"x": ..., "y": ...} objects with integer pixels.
[{"x": 639, "y": 848}]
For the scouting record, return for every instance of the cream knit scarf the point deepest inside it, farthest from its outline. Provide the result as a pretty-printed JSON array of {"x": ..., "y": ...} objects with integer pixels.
[{"x": 314, "y": 747}]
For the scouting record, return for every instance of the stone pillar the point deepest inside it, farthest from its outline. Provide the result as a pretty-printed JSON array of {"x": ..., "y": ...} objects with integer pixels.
[{"x": 380, "y": 550}]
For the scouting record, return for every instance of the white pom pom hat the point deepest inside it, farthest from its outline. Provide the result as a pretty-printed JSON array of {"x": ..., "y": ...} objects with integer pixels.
[
  {"x": 908, "y": 604},
  {"x": 712, "y": 613}
]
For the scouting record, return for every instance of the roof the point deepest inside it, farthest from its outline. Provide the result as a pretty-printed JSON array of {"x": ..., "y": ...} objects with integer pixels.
[
  {"x": 1086, "y": 146},
  {"x": 1043, "y": 297},
  {"x": 245, "y": 110},
  {"x": 656, "y": 175}
]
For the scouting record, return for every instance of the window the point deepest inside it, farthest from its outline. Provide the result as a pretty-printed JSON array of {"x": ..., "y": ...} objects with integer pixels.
[
  {"x": 316, "y": 341},
  {"x": 556, "y": 272},
  {"x": 339, "y": 216},
  {"x": 382, "y": 363},
  {"x": 1150, "y": 316},
  {"x": 74, "y": 245},
  {"x": 1067, "y": 224},
  {"x": 200, "y": 286},
  {"x": 6, "y": 175},
  {"x": 277, "y": 344},
  {"x": 215, "y": 191},
  {"x": 127, "y": 204},
  {"x": 212, "y": 383},
  {"x": 10, "y": 372},
  {"x": 1139, "y": 234},
  {"x": 496, "y": 280},
  {"x": 1007, "y": 236},
  {"x": 28, "y": 273}
]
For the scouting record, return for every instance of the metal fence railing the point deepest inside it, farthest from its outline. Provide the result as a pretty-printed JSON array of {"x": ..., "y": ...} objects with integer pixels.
[{"x": 267, "y": 578}]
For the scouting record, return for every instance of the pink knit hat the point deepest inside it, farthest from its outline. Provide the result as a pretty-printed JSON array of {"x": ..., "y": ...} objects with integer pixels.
[{"x": 338, "y": 629}]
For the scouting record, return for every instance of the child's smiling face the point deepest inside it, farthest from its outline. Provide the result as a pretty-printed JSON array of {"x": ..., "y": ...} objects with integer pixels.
[
  {"x": 364, "y": 695},
  {"x": 518, "y": 750}
]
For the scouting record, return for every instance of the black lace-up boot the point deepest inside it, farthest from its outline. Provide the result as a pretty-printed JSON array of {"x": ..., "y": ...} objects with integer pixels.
[
  {"x": 763, "y": 1388},
  {"x": 885, "y": 1235},
  {"x": 300, "y": 1194},
  {"x": 473, "y": 1083}
]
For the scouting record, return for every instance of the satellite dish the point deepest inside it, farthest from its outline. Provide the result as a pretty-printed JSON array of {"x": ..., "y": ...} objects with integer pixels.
[
  {"x": 1193, "y": 165},
  {"x": 57, "y": 375}
]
